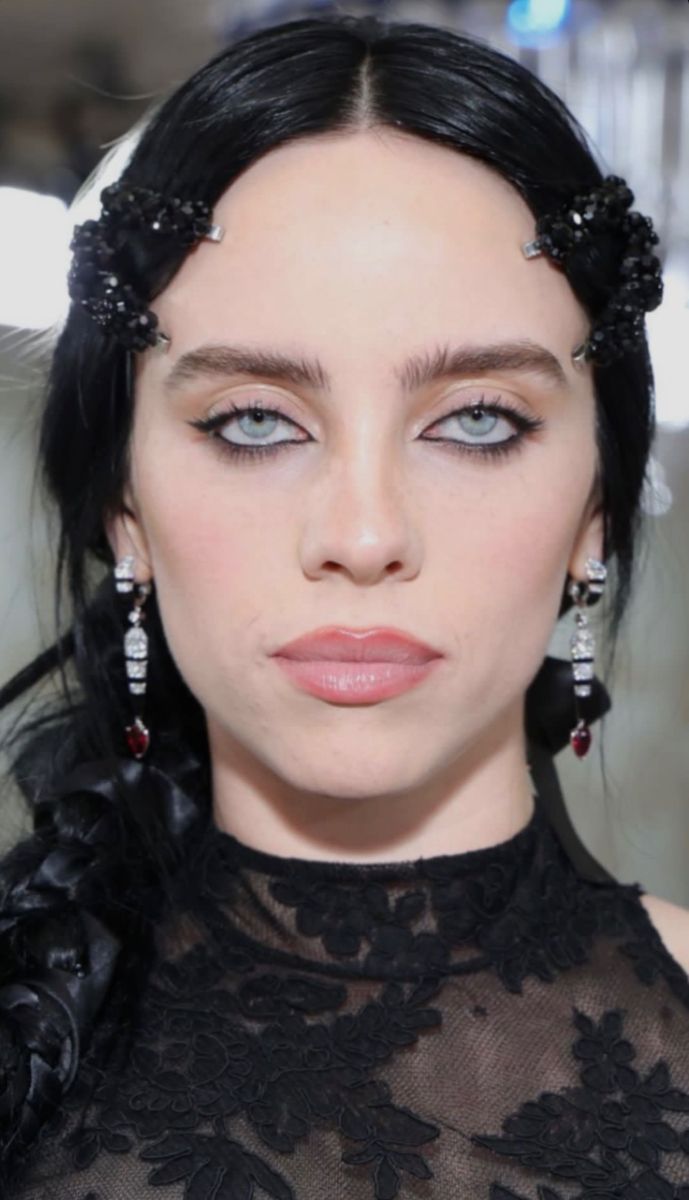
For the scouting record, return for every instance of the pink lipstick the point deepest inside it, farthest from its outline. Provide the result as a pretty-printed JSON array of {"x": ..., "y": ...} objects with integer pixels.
[{"x": 350, "y": 666}]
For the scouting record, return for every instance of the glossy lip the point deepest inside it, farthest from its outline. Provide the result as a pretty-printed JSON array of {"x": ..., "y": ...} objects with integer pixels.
[
  {"x": 355, "y": 682},
  {"x": 340, "y": 644}
]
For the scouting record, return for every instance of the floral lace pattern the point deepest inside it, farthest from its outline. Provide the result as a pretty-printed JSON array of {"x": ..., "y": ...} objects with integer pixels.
[
  {"x": 360, "y": 1030},
  {"x": 611, "y": 1134}
]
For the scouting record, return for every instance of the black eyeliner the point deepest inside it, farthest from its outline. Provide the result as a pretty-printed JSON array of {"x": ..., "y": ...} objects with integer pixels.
[{"x": 237, "y": 451}]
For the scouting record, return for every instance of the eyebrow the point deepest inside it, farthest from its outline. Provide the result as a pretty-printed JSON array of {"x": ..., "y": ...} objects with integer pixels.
[{"x": 218, "y": 360}]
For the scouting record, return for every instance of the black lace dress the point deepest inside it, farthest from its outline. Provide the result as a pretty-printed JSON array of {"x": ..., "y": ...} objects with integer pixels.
[{"x": 489, "y": 1025}]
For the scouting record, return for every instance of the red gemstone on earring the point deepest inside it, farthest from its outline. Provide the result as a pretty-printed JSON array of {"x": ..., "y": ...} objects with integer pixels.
[
  {"x": 138, "y": 738},
  {"x": 580, "y": 739}
]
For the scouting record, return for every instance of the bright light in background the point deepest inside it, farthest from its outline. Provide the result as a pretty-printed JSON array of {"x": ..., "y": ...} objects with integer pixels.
[
  {"x": 656, "y": 494},
  {"x": 668, "y": 338},
  {"x": 537, "y": 16},
  {"x": 35, "y": 233}
]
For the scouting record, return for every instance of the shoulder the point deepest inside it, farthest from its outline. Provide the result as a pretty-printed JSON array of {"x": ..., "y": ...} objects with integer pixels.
[{"x": 672, "y": 923}]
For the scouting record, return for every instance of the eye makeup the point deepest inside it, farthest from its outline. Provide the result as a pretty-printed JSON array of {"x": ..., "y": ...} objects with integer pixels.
[{"x": 240, "y": 451}]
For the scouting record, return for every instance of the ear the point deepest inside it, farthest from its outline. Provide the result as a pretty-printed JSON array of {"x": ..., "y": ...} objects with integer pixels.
[
  {"x": 589, "y": 541},
  {"x": 125, "y": 532}
]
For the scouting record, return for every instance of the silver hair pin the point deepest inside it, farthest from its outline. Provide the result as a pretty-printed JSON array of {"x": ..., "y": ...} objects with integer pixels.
[
  {"x": 532, "y": 249},
  {"x": 579, "y": 355}
]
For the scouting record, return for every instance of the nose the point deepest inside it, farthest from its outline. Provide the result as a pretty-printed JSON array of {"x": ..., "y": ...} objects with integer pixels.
[{"x": 359, "y": 522}]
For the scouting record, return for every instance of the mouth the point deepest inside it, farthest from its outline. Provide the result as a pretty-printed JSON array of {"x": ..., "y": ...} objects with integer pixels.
[
  {"x": 355, "y": 683},
  {"x": 339, "y": 644},
  {"x": 350, "y": 666}
]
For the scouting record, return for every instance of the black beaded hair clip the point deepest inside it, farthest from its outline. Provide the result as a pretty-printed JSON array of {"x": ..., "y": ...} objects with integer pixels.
[
  {"x": 96, "y": 280},
  {"x": 98, "y": 283},
  {"x": 638, "y": 287}
]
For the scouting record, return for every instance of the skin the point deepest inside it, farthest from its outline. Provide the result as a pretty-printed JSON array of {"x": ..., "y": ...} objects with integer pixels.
[{"x": 360, "y": 249}]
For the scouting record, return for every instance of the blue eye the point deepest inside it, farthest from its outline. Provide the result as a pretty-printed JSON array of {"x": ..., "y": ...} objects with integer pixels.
[
  {"x": 479, "y": 421},
  {"x": 253, "y": 421}
]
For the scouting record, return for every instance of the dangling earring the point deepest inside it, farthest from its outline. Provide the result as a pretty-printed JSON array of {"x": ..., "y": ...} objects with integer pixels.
[
  {"x": 136, "y": 654},
  {"x": 124, "y": 574},
  {"x": 583, "y": 648}
]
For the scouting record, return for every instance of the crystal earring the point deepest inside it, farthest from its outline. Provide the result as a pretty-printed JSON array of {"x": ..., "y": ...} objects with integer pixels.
[
  {"x": 583, "y": 648},
  {"x": 136, "y": 654},
  {"x": 124, "y": 574}
]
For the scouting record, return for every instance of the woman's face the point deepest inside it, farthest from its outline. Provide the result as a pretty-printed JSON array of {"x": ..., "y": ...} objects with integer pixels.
[{"x": 363, "y": 255}]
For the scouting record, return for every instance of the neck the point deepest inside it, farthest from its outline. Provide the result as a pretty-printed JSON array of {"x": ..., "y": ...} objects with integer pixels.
[{"x": 482, "y": 798}]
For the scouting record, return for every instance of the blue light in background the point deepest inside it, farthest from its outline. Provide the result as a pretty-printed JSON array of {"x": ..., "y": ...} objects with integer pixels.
[{"x": 537, "y": 16}]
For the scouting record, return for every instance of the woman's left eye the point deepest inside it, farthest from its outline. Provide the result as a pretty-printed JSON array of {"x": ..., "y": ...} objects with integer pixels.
[
  {"x": 482, "y": 421},
  {"x": 479, "y": 420}
]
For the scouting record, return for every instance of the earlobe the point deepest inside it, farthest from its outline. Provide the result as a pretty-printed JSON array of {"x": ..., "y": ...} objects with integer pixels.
[
  {"x": 589, "y": 544},
  {"x": 125, "y": 534}
]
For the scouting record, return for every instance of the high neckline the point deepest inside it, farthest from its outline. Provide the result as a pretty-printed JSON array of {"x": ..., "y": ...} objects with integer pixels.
[
  {"x": 389, "y": 871},
  {"x": 441, "y": 915}
]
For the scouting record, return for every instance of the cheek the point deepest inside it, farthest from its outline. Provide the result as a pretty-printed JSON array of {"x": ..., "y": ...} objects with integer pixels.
[
  {"x": 211, "y": 581},
  {"x": 505, "y": 561},
  {"x": 188, "y": 504},
  {"x": 212, "y": 552},
  {"x": 205, "y": 552}
]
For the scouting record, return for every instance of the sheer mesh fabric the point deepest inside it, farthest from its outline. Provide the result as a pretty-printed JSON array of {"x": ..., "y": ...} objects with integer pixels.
[{"x": 489, "y": 1024}]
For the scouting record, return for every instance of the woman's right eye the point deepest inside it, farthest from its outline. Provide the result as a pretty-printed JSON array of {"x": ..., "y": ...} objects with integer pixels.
[{"x": 250, "y": 422}]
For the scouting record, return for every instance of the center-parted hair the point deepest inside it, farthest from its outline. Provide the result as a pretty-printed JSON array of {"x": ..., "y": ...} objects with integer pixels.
[{"x": 81, "y": 895}]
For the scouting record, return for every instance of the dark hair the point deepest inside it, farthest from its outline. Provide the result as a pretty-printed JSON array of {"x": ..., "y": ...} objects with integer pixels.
[{"x": 81, "y": 895}]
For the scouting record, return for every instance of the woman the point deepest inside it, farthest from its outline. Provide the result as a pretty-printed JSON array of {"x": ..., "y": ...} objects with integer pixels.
[{"x": 291, "y": 925}]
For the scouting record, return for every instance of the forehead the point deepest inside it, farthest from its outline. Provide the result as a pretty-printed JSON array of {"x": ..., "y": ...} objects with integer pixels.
[{"x": 373, "y": 234}]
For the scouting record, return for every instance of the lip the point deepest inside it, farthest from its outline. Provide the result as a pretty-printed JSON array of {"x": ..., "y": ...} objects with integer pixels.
[
  {"x": 355, "y": 682},
  {"x": 343, "y": 644}
]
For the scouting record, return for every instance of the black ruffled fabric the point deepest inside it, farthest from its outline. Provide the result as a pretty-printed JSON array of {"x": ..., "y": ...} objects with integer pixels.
[
  {"x": 47, "y": 1014},
  {"x": 497, "y": 1024}
]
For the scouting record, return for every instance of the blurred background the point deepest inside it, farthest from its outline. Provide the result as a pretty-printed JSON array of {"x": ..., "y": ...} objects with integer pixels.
[{"x": 75, "y": 76}]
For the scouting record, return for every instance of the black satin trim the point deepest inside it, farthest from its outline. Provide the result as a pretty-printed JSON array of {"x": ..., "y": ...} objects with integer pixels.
[{"x": 104, "y": 779}]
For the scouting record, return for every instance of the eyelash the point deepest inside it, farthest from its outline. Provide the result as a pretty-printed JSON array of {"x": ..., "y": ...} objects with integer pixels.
[{"x": 494, "y": 450}]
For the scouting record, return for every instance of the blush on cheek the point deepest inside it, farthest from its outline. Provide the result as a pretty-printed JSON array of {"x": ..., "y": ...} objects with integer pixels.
[
  {"x": 192, "y": 635},
  {"x": 514, "y": 571}
]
